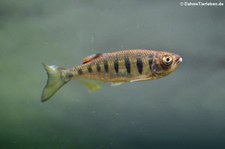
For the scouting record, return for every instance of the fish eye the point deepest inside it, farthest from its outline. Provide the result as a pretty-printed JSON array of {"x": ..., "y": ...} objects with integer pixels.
[{"x": 167, "y": 60}]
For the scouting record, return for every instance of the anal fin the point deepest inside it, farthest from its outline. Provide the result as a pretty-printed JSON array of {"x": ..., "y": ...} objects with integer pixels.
[{"x": 91, "y": 85}]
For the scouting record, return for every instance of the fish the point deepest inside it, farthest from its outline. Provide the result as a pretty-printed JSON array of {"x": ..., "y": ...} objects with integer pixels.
[{"x": 116, "y": 68}]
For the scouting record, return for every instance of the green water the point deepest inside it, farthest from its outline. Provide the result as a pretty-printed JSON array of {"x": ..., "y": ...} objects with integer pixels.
[{"x": 184, "y": 110}]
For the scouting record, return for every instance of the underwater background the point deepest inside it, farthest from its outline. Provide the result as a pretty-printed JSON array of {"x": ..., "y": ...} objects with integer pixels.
[{"x": 183, "y": 110}]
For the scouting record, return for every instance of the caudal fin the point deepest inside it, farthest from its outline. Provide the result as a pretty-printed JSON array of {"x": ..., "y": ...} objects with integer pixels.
[{"x": 54, "y": 83}]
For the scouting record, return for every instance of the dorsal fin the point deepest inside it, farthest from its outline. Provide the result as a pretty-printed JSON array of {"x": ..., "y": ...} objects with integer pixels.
[{"x": 91, "y": 57}]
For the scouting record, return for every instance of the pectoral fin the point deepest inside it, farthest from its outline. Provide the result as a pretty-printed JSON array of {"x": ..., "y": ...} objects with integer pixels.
[
  {"x": 116, "y": 84},
  {"x": 137, "y": 80},
  {"x": 91, "y": 85}
]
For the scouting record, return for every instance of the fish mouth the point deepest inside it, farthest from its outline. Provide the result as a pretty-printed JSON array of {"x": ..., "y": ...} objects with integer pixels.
[{"x": 178, "y": 61}]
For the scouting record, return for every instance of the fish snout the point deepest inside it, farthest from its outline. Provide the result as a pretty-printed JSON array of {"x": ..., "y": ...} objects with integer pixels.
[{"x": 178, "y": 59}]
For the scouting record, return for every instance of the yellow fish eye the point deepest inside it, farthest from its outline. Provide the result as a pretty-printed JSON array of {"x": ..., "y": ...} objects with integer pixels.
[{"x": 167, "y": 60}]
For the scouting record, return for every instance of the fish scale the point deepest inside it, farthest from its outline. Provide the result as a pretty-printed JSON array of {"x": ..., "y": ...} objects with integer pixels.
[{"x": 112, "y": 75}]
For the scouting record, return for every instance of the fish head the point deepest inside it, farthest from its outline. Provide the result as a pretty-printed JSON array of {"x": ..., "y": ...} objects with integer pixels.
[{"x": 165, "y": 63}]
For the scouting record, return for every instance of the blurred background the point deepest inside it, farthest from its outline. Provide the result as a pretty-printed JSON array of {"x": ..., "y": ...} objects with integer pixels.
[{"x": 184, "y": 110}]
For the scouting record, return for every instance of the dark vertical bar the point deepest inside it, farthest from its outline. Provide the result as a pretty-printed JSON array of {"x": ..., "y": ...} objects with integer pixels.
[
  {"x": 127, "y": 63},
  {"x": 69, "y": 75},
  {"x": 106, "y": 66},
  {"x": 98, "y": 67},
  {"x": 89, "y": 68},
  {"x": 150, "y": 61},
  {"x": 116, "y": 64},
  {"x": 80, "y": 72},
  {"x": 139, "y": 64}
]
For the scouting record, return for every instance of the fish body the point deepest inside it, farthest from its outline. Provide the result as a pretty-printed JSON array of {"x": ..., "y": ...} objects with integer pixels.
[{"x": 116, "y": 67}]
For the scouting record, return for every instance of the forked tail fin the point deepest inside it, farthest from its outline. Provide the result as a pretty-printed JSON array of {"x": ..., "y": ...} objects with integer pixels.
[{"x": 54, "y": 83}]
